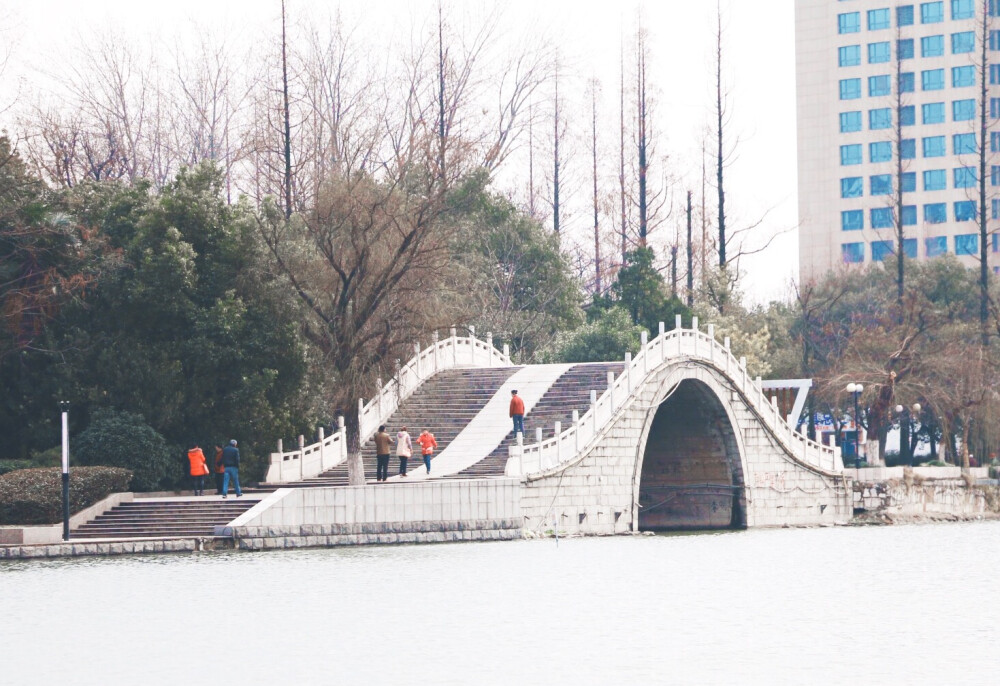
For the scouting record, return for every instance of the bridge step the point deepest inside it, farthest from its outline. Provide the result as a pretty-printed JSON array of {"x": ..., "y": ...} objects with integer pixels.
[{"x": 164, "y": 518}]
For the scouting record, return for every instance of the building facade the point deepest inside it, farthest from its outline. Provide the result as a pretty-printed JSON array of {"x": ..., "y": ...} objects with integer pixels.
[{"x": 879, "y": 80}]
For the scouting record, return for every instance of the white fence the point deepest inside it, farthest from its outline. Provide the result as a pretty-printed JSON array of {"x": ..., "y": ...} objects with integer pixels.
[
  {"x": 329, "y": 451},
  {"x": 450, "y": 353},
  {"x": 566, "y": 445}
]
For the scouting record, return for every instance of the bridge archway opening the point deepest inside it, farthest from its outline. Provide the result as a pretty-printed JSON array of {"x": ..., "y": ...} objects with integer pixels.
[{"x": 692, "y": 476}]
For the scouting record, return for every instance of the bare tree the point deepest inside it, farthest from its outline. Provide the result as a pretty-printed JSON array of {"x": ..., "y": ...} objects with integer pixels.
[{"x": 594, "y": 89}]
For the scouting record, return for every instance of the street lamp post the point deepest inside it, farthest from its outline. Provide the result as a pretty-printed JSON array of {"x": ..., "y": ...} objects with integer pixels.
[
  {"x": 906, "y": 414},
  {"x": 855, "y": 390},
  {"x": 64, "y": 406}
]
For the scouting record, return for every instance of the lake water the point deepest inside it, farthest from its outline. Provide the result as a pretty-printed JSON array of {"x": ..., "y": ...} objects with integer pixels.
[{"x": 888, "y": 605}]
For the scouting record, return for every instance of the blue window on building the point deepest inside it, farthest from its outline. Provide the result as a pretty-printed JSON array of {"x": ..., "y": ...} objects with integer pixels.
[
  {"x": 964, "y": 143},
  {"x": 850, "y": 154},
  {"x": 994, "y": 40},
  {"x": 965, "y": 177},
  {"x": 849, "y": 22},
  {"x": 850, "y": 89},
  {"x": 852, "y": 187},
  {"x": 882, "y": 250},
  {"x": 904, "y": 48},
  {"x": 852, "y": 253},
  {"x": 907, "y": 82},
  {"x": 850, "y": 122},
  {"x": 932, "y": 46},
  {"x": 908, "y": 148},
  {"x": 880, "y": 85},
  {"x": 880, "y": 184},
  {"x": 995, "y": 204},
  {"x": 910, "y": 216},
  {"x": 879, "y": 19},
  {"x": 849, "y": 56},
  {"x": 994, "y": 141},
  {"x": 879, "y": 52},
  {"x": 852, "y": 220},
  {"x": 963, "y": 110},
  {"x": 994, "y": 74},
  {"x": 995, "y": 175},
  {"x": 967, "y": 244},
  {"x": 963, "y": 76},
  {"x": 908, "y": 181},
  {"x": 962, "y": 9},
  {"x": 964, "y": 41},
  {"x": 995, "y": 108},
  {"x": 881, "y": 218},
  {"x": 935, "y": 180},
  {"x": 930, "y": 79},
  {"x": 937, "y": 246},
  {"x": 931, "y": 12},
  {"x": 880, "y": 119},
  {"x": 935, "y": 146},
  {"x": 907, "y": 115},
  {"x": 936, "y": 213},
  {"x": 993, "y": 8},
  {"x": 880, "y": 151},
  {"x": 965, "y": 211},
  {"x": 904, "y": 15}
]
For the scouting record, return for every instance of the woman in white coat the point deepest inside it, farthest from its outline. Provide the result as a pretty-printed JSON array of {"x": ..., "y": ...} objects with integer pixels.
[{"x": 404, "y": 449}]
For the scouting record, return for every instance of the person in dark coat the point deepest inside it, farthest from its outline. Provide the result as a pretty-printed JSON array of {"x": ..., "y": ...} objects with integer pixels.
[
  {"x": 219, "y": 469},
  {"x": 231, "y": 460}
]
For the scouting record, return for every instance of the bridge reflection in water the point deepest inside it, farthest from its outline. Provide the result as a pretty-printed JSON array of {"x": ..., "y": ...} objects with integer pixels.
[{"x": 692, "y": 475}]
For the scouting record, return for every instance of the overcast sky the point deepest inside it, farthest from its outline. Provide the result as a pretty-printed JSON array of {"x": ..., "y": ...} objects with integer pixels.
[{"x": 760, "y": 73}]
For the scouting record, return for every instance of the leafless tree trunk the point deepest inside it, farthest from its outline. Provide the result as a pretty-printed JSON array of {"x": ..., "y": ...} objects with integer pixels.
[
  {"x": 594, "y": 87},
  {"x": 690, "y": 256},
  {"x": 641, "y": 122}
]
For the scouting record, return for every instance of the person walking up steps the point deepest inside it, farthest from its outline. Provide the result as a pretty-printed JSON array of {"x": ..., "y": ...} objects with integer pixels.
[
  {"x": 198, "y": 469},
  {"x": 231, "y": 459},
  {"x": 517, "y": 412},
  {"x": 382, "y": 443},
  {"x": 427, "y": 444},
  {"x": 220, "y": 470},
  {"x": 404, "y": 449}
]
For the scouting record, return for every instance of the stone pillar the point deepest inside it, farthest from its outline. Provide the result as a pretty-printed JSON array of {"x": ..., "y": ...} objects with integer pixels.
[
  {"x": 280, "y": 448},
  {"x": 378, "y": 384},
  {"x": 628, "y": 372},
  {"x": 557, "y": 429},
  {"x": 678, "y": 324},
  {"x": 611, "y": 392},
  {"x": 644, "y": 339},
  {"x": 506, "y": 350},
  {"x": 663, "y": 328},
  {"x": 437, "y": 362},
  {"x": 322, "y": 448},
  {"x": 416, "y": 354},
  {"x": 489, "y": 345}
]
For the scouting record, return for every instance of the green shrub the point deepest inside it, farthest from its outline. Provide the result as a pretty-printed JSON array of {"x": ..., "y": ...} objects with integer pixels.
[
  {"x": 123, "y": 439},
  {"x": 34, "y": 496},
  {"x": 12, "y": 465}
]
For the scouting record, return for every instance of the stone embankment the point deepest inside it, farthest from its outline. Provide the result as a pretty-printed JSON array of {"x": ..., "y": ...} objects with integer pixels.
[{"x": 898, "y": 495}]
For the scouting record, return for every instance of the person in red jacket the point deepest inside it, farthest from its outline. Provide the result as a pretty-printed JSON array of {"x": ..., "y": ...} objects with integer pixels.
[
  {"x": 199, "y": 469},
  {"x": 517, "y": 412},
  {"x": 427, "y": 444}
]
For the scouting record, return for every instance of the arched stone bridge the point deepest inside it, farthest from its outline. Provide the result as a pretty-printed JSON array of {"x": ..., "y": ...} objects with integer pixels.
[{"x": 681, "y": 438}]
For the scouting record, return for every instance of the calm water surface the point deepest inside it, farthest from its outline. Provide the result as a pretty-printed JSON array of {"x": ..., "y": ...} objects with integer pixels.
[{"x": 891, "y": 605}]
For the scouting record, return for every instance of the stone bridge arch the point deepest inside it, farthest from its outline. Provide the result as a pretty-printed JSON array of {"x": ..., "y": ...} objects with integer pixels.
[{"x": 690, "y": 471}]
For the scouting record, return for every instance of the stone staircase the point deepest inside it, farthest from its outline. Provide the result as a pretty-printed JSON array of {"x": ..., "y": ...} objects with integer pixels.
[
  {"x": 445, "y": 405},
  {"x": 155, "y": 518},
  {"x": 571, "y": 391}
]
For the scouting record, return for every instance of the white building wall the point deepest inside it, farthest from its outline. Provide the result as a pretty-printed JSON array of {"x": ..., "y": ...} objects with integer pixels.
[{"x": 821, "y": 236}]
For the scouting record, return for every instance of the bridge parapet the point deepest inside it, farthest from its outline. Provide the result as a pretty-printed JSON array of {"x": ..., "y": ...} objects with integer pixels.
[
  {"x": 328, "y": 452},
  {"x": 541, "y": 458}
]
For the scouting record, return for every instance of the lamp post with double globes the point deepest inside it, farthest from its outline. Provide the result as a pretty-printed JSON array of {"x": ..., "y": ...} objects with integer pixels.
[
  {"x": 905, "y": 415},
  {"x": 855, "y": 390}
]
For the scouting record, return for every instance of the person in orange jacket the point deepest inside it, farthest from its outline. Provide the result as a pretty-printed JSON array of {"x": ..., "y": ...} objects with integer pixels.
[
  {"x": 220, "y": 469},
  {"x": 427, "y": 444},
  {"x": 199, "y": 469},
  {"x": 517, "y": 412}
]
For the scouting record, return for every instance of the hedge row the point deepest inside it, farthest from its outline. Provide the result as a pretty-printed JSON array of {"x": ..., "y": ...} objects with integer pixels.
[{"x": 34, "y": 496}]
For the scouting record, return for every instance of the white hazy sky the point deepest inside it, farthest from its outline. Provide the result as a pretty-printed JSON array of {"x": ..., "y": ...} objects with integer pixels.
[{"x": 759, "y": 70}]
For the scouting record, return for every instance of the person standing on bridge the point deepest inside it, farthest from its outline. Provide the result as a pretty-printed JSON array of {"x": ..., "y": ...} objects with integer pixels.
[
  {"x": 427, "y": 444},
  {"x": 517, "y": 412},
  {"x": 231, "y": 459},
  {"x": 404, "y": 448},
  {"x": 382, "y": 443}
]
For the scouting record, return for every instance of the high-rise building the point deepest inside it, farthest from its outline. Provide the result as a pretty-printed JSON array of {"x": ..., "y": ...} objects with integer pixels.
[{"x": 881, "y": 82}]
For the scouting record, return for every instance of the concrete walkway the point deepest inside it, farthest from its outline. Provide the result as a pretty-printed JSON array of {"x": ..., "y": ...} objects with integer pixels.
[{"x": 488, "y": 428}]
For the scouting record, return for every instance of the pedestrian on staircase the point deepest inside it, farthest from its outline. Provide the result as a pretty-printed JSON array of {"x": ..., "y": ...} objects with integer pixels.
[
  {"x": 382, "y": 443},
  {"x": 220, "y": 470},
  {"x": 231, "y": 459},
  {"x": 404, "y": 449},
  {"x": 196, "y": 458},
  {"x": 427, "y": 444},
  {"x": 517, "y": 412}
]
